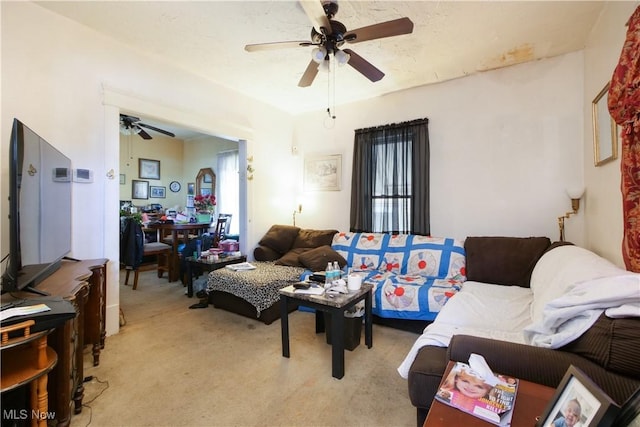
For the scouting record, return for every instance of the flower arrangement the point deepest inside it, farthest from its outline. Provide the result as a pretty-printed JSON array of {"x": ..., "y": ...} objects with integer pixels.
[{"x": 204, "y": 203}]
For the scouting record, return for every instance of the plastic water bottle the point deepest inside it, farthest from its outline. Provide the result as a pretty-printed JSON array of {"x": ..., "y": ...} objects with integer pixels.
[
  {"x": 198, "y": 247},
  {"x": 328, "y": 275},
  {"x": 336, "y": 271}
]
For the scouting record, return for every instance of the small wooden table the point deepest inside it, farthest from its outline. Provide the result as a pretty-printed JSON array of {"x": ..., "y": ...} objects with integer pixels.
[
  {"x": 176, "y": 230},
  {"x": 27, "y": 360},
  {"x": 335, "y": 307},
  {"x": 531, "y": 400},
  {"x": 206, "y": 265}
]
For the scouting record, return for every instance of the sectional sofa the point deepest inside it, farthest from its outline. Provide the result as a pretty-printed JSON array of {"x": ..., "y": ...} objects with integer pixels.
[
  {"x": 532, "y": 309},
  {"x": 413, "y": 276}
]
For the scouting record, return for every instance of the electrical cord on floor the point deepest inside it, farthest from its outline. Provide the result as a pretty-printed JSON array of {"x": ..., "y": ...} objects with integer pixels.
[{"x": 87, "y": 404}]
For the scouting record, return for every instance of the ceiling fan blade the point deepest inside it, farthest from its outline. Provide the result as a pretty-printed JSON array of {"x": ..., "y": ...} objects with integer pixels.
[
  {"x": 377, "y": 31},
  {"x": 315, "y": 12},
  {"x": 276, "y": 45},
  {"x": 156, "y": 129},
  {"x": 130, "y": 118},
  {"x": 309, "y": 74},
  {"x": 144, "y": 135},
  {"x": 364, "y": 66}
]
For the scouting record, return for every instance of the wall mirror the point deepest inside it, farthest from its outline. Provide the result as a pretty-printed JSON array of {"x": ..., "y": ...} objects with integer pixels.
[
  {"x": 205, "y": 182},
  {"x": 605, "y": 130}
]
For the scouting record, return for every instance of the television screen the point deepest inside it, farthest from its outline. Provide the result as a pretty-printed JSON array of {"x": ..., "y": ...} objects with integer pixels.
[{"x": 39, "y": 209}]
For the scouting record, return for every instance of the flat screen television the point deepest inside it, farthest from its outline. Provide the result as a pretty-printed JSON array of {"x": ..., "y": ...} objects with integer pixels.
[{"x": 39, "y": 210}]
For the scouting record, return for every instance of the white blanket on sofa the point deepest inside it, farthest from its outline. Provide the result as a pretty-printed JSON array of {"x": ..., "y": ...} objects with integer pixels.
[
  {"x": 480, "y": 311},
  {"x": 566, "y": 318}
]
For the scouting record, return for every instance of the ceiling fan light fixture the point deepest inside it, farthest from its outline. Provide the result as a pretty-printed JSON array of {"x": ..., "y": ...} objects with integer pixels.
[
  {"x": 342, "y": 57},
  {"x": 325, "y": 66},
  {"x": 318, "y": 54}
]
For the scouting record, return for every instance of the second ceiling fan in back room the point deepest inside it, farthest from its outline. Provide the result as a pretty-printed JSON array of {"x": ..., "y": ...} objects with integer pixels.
[
  {"x": 329, "y": 35},
  {"x": 130, "y": 125}
]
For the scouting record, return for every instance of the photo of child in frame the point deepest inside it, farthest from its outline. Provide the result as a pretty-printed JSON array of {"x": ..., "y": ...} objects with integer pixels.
[{"x": 576, "y": 409}]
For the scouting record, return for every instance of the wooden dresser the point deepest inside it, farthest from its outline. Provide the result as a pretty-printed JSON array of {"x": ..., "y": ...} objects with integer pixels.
[{"x": 83, "y": 283}]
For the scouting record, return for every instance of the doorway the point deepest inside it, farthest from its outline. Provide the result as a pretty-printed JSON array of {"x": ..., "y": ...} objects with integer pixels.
[{"x": 211, "y": 124}]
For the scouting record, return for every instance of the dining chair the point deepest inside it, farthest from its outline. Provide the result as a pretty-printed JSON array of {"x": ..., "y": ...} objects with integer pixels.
[
  {"x": 221, "y": 228},
  {"x": 154, "y": 256}
]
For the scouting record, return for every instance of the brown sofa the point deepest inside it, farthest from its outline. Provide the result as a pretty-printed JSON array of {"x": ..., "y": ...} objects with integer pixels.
[
  {"x": 282, "y": 254},
  {"x": 607, "y": 352}
]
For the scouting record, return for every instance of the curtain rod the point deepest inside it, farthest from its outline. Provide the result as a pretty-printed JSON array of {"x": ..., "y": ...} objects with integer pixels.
[{"x": 394, "y": 125}]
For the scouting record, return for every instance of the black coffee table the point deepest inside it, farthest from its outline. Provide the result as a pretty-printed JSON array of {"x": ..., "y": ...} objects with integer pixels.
[
  {"x": 335, "y": 307},
  {"x": 203, "y": 264}
]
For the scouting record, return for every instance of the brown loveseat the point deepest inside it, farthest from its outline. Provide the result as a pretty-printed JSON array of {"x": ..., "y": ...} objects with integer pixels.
[
  {"x": 281, "y": 256},
  {"x": 606, "y": 352}
]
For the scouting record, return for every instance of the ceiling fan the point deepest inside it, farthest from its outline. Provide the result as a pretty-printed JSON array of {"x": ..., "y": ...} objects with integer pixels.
[
  {"x": 130, "y": 125},
  {"x": 329, "y": 35}
]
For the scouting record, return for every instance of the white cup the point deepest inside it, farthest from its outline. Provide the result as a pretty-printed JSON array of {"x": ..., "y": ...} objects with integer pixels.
[{"x": 355, "y": 282}]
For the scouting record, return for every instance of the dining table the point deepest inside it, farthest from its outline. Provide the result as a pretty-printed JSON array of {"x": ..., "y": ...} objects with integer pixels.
[{"x": 180, "y": 233}]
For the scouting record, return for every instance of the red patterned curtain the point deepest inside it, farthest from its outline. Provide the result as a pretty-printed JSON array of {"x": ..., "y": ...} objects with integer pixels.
[{"x": 624, "y": 106}]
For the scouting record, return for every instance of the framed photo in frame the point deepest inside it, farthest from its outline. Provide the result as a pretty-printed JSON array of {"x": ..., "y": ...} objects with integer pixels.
[
  {"x": 605, "y": 130},
  {"x": 191, "y": 189},
  {"x": 323, "y": 173},
  {"x": 158, "y": 192},
  {"x": 578, "y": 400},
  {"x": 139, "y": 189},
  {"x": 149, "y": 169}
]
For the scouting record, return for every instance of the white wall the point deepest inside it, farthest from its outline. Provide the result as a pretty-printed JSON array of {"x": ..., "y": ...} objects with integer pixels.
[
  {"x": 603, "y": 200},
  {"x": 504, "y": 146},
  {"x": 68, "y": 83}
]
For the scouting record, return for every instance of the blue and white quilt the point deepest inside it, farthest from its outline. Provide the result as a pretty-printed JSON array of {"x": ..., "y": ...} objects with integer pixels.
[{"x": 412, "y": 276}]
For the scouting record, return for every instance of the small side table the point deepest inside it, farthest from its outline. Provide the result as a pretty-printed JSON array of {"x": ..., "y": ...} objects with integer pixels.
[
  {"x": 531, "y": 401},
  {"x": 206, "y": 265},
  {"x": 335, "y": 306},
  {"x": 27, "y": 360}
]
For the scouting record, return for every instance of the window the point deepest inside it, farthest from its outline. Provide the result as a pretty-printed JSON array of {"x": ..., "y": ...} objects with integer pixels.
[
  {"x": 390, "y": 183},
  {"x": 229, "y": 188}
]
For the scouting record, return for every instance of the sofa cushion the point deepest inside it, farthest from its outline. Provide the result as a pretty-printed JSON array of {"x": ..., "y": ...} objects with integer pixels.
[
  {"x": 503, "y": 260},
  {"x": 611, "y": 343},
  {"x": 280, "y": 238},
  {"x": 317, "y": 259},
  {"x": 291, "y": 258},
  {"x": 313, "y": 238},
  {"x": 265, "y": 253}
]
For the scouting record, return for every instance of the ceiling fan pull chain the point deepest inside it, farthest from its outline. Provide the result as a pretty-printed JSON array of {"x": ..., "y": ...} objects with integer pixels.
[{"x": 331, "y": 100}]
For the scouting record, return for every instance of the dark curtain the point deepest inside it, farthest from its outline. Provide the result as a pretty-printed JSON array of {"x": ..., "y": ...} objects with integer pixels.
[
  {"x": 624, "y": 106},
  {"x": 391, "y": 173}
]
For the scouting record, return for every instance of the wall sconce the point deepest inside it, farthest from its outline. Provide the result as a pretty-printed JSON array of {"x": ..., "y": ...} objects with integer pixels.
[
  {"x": 575, "y": 194},
  {"x": 250, "y": 168},
  {"x": 298, "y": 211}
]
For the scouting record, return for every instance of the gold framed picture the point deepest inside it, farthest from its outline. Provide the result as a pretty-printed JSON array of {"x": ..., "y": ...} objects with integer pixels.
[{"x": 605, "y": 130}]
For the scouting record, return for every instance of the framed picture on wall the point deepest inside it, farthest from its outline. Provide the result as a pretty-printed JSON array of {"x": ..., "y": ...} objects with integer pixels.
[
  {"x": 139, "y": 189},
  {"x": 323, "y": 173},
  {"x": 605, "y": 130},
  {"x": 191, "y": 189},
  {"x": 158, "y": 192},
  {"x": 149, "y": 169}
]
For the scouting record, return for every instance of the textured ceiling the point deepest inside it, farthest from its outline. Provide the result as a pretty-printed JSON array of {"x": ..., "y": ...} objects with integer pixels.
[{"x": 450, "y": 39}]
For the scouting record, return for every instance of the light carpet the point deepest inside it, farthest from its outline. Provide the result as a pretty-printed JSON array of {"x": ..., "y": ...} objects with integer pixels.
[{"x": 172, "y": 366}]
